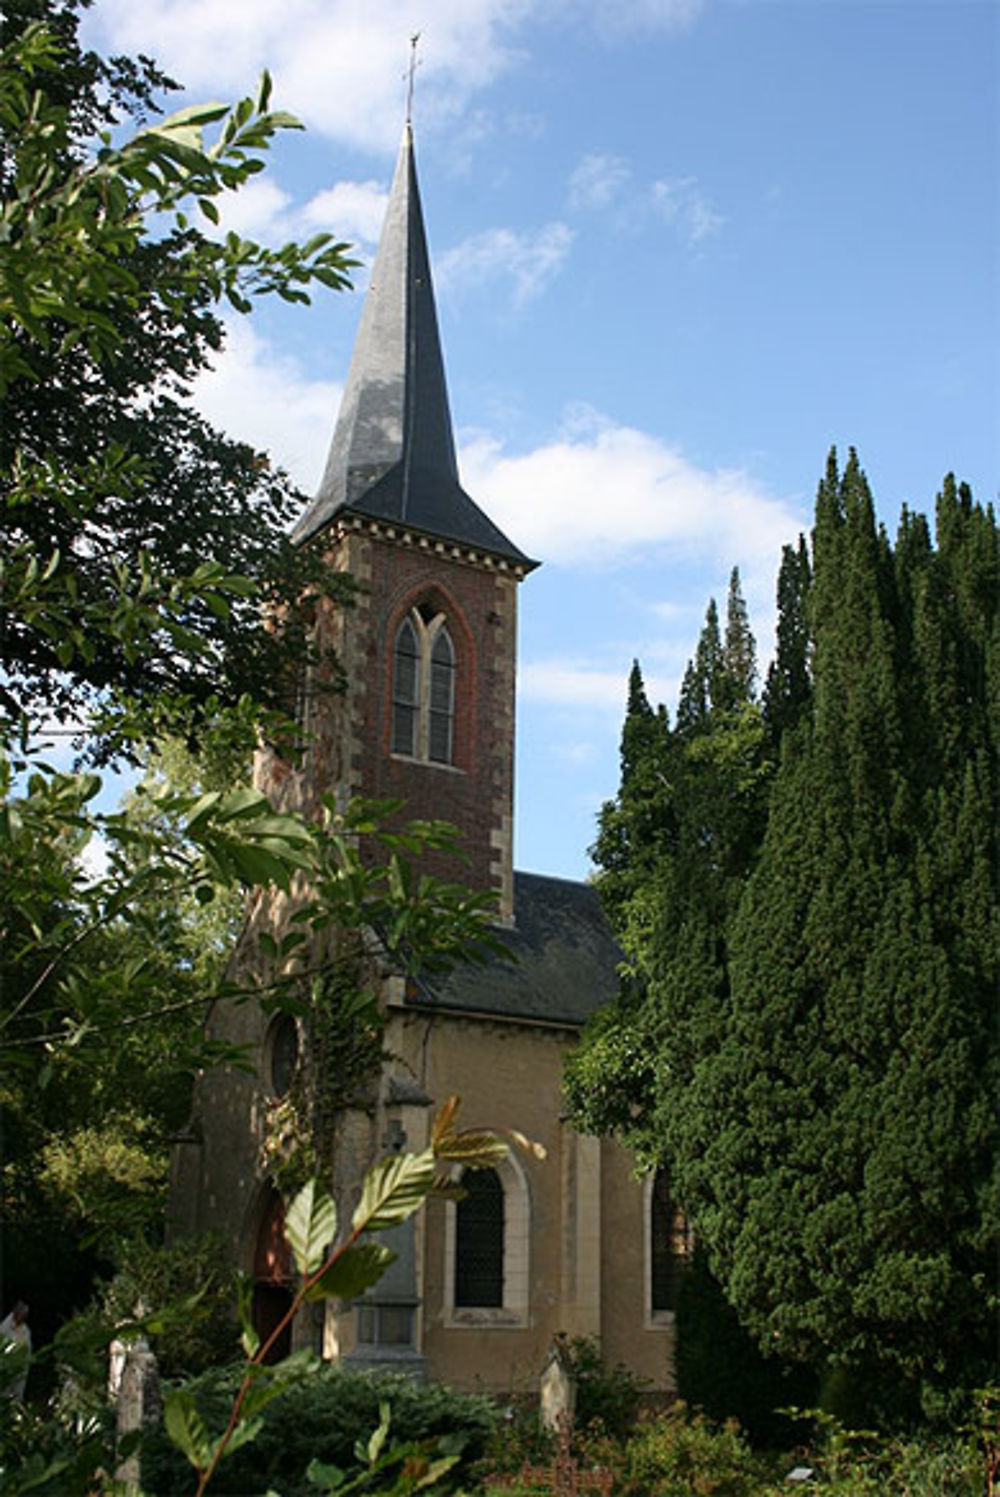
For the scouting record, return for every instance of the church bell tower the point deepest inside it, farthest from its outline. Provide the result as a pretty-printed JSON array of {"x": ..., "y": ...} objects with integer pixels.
[{"x": 429, "y": 648}]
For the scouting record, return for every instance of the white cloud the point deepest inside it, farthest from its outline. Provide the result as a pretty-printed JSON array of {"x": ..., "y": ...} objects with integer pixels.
[
  {"x": 528, "y": 261},
  {"x": 598, "y": 495},
  {"x": 614, "y": 17},
  {"x": 257, "y": 211},
  {"x": 569, "y": 683},
  {"x": 603, "y": 183},
  {"x": 686, "y": 206},
  {"x": 264, "y": 398},
  {"x": 598, "y": 179},
  {"x": 603, "y": 494},
  {"x": 339, "y": 65},
  {"x": 575, "y": 754},
  {"x": 350, "y": 210}
]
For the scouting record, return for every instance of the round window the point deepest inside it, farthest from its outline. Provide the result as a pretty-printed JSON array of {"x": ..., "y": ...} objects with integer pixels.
[{"x": 283, "y": 1053}]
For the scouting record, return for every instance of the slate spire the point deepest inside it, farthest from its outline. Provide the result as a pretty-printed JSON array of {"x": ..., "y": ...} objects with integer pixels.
[{"x": 393, "y": 452}]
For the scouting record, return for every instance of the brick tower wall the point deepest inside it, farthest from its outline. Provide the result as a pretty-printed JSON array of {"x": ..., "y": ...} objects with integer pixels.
[{"x": 351, "y": 733}]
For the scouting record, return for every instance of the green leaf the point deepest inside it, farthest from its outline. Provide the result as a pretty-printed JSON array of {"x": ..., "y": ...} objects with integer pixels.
[
  {"x": 393, "y": 1190},
  {"x": 201, "y": 810},
  {"x": 310, "y": 1226},
  {"x": 356, "y": 1269},
  {"x": 322, "y": 1474},
  {"x": 269, "y": 1383},
  {"x": 186, "y": 1428},
  {"x": 249, "y": 1335},
  {"x": 246, "y": 1431},
  {"x": 255, "y": 865},
  {"x": 436, "y": 1470}
]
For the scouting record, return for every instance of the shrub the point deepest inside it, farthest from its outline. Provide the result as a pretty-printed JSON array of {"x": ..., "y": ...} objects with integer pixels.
[
  {"x": 678, "y": 1454},
  {"x": 856, "y": 1463},
  {"x": 320, "y": 1419},
  {"x": 721, "y": 1370},
  {"x": 198, "y": 1331},
  {"x": 606, "y": 1396}
]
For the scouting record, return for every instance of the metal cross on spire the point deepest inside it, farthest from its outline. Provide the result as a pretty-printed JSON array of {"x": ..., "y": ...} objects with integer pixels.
[{"x": 414, "y": 64}]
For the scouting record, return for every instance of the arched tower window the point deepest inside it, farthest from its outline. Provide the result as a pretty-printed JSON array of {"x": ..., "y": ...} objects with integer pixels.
[
  {"x": 671, "y": 1244},
  {"x": 479, "y": 1241},
  {"x": 406, "y": 690},
  {"x": 441, "y": 705},
  {"x": 423, "y": 688}
]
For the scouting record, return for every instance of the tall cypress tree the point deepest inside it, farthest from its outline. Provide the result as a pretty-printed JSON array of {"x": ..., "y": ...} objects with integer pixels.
[
  {"x": 674, "y": 849},
  {"x": 788, "y": 689},
  {"x": 813, "y": 1034},
  {"x": 739, "y": 650},
  {"x": 845, "y": 1195},
  {"x": 634, "y": 826}
]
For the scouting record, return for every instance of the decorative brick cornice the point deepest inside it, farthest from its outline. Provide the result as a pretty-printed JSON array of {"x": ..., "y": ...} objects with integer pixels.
[{"x": 418, "y": 540}]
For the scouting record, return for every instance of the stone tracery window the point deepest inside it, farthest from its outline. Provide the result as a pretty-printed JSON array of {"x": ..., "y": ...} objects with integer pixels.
[{"x": 423, "y": 688}]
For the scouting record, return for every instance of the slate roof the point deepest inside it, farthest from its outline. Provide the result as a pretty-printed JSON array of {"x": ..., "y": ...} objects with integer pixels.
[
  {"x": 393, "y": 451},
  {"x": 566, "y": 960}
]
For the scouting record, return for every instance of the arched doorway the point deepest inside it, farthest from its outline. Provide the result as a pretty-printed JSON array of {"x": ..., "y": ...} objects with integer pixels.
[{"x": 272, "y": 1274}]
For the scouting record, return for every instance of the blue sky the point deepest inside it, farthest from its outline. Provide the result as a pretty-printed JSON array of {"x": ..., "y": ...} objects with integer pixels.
[{"x": 681, "y": 247}]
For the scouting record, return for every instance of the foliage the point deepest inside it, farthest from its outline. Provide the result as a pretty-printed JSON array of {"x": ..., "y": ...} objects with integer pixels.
[
  {"x": 677, "y": 1454},
  {"x": 323, "y": 1418},
  {"x": 675, "y": 848},
  {"x": 607, "y": 1398},
  {"x": 810, "y": 908},
  {"x": 566, "y": 1468},
  {"x": 115, "y": 624},
  {"x": 681, "y": 1453},
  {"x": 340, "y": 1267},
  {"x": 192, "y": 1286},
  {"x": 115, "y": 491},
  {"x": 720, "y": 1369}
]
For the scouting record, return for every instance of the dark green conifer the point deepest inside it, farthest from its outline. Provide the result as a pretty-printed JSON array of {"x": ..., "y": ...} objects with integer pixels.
[
  {"x": 812, "y": 1031},
  {"x": 788, "y": 689},
  {"x": 739, "y": 651},
  {"x": 701, "y": 678},
  {"x": 852, "y": 1090}
]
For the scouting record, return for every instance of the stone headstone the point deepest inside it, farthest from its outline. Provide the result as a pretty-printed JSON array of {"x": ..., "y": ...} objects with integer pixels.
[{"x": 558, "y": 1391}]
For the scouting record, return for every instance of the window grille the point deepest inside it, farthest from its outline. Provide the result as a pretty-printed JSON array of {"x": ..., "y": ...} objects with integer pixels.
[{"x": 479, "y": 1241}]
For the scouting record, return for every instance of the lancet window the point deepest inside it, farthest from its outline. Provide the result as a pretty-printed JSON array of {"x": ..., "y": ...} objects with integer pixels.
[{"x": 423, "y": 688}]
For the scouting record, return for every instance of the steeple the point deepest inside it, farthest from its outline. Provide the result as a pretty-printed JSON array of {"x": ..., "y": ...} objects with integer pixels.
[{"x": 393, "y": 452}]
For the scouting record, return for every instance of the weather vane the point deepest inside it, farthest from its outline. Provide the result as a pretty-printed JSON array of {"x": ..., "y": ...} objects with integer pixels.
[{"x": 414, "y": 64}]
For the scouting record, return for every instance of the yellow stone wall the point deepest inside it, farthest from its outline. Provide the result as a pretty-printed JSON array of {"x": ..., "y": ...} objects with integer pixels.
[{"x": 584, "y": 1253}]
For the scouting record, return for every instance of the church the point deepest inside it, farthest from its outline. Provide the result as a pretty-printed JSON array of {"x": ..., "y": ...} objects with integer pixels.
[{"x": 571, "y": 1242}]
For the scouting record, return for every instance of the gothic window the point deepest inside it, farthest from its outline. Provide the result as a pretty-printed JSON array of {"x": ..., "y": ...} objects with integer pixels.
[
  {"x": 671, "y": 1243},
  {"x": 282, "y": 1054},
  {"x": 423, "y": 688},
  {"x": 406, "y": 690},
  {"x": 479, "y": 1241},
  {"x": 441, "y": 705}
]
